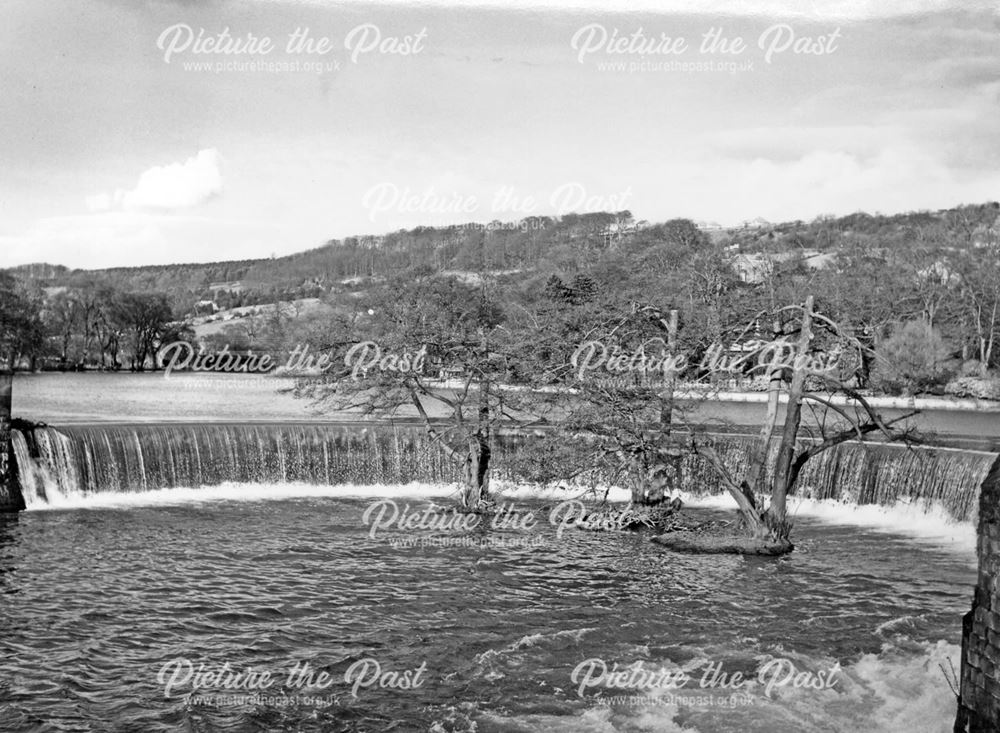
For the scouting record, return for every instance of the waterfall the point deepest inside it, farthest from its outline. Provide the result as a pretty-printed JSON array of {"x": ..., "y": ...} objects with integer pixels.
[
  {"x": 45, "y": 470},
  {"x": 55, "y": 464},
  {"x": 80, "y": 460},
  {"x": 872, "y": 474},
  {"x": 854, "y": 473}
]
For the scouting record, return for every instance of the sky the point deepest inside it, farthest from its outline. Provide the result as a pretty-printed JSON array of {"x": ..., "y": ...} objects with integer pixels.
[{"x": 159, "y": 131}]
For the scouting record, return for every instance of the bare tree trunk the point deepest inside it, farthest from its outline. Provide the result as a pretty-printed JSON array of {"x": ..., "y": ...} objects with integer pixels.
[
  {"x": 64, "y": 355},
  {"x": 744, "y": 500},
  {"x": 757, "y": 472},
  {"x": 988, "y": 347},
  {"x": 476, "y": 476},
  {"x": 777, "y": 512},
  {"x": 666, "y": 413},
  {"x": 477, "y": 463},
  {"x": 654, "y": 478}
]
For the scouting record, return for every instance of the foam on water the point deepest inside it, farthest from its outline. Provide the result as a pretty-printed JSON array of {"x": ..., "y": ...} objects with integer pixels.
[
  {"x": 926, "y": 524},
  {"x": 894, "y": 691},
  {"x": 244, "y": 492},
  {"x": 512, "y": 491},
  {"x": 930, "y": 523}
]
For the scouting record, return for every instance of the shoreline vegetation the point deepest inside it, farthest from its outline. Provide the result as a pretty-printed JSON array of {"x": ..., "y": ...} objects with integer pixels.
[{"x": 964, "y": 393}]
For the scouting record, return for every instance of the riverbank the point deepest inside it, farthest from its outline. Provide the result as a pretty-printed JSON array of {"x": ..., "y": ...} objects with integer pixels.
[
  {"x": 695, "y": 393},
  {"x": 884, "y": 401}
]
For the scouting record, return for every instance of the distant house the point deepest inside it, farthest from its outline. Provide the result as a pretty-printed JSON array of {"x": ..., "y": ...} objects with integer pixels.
[
  {"x": 939, "y": 272},
  {"x": 617, "y": 230},
  {"x": 818, "y": 260},
  {"x": 752, "y": 268},
  {"x": 445, "y": 373},
  {"x": 757, "y": 267},
  {"x": 230, "y": 286},
  {"x": 987, "y": 236},
  {"x": 205, "y": 307},
  {"x": 811, "y": 258}
]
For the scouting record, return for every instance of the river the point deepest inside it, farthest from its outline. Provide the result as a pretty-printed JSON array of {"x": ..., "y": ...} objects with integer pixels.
[{"x": 159, "y": 602}]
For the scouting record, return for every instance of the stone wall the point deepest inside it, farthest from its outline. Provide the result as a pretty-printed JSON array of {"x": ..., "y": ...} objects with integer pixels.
[
  {"x": 979, "y": 697},
  {"x": 10, "y": 492}
]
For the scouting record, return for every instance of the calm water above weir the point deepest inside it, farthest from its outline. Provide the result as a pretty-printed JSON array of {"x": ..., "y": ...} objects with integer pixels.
[
  {"x": 98, "y": 397},
  {"x": 95, "y": 601}
]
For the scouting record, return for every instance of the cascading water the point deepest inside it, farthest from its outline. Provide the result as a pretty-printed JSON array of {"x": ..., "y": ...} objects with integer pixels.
[
  {"x": 871, "y": 474},
  {"x": 882, "y": 474},
  {"x": 69, "y": 462},
  {"x": 55, "y": 464}
]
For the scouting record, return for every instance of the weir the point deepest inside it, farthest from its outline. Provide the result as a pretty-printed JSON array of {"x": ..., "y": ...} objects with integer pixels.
[
  {"x": 76, "y": 461},
  {"x": 56, "y": 464}
]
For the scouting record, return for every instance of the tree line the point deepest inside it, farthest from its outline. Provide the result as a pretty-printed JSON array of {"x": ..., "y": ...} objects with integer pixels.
[
  {"x": 919, "y": 288},
  {"x": 92, "y": 325}
]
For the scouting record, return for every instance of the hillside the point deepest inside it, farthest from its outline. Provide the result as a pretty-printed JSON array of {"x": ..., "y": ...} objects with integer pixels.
[
  {"x": 921, "y": 290},
  {"x": 538, "y": 243}
]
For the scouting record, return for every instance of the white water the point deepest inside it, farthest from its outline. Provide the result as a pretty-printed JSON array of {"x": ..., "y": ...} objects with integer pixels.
[
  {"x": 929, "y": 525},
  {"x": 895, "y": 691},
  {"x": 38, "y": 485},
  {"x": 232, "y": 491}
]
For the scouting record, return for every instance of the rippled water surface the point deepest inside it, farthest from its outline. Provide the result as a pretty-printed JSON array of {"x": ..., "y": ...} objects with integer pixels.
[{"x": 95, "y": 601}]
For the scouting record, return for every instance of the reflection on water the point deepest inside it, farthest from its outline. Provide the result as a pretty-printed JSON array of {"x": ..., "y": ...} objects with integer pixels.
[
  {"x": 108, "y": 397},
  {"x": 95, "y": 602}
]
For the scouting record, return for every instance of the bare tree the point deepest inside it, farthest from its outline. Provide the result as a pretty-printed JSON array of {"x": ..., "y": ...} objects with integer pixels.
[
  {"x": 632, "y": 422},
  {"x": 840, "y": 413},
  {"x": 436, "y": 349},
  {"x": 979, "y": 276}
]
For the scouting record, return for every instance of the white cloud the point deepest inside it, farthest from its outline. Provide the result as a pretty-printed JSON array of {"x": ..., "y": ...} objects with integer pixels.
[{"x": 168, "y": 187}]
